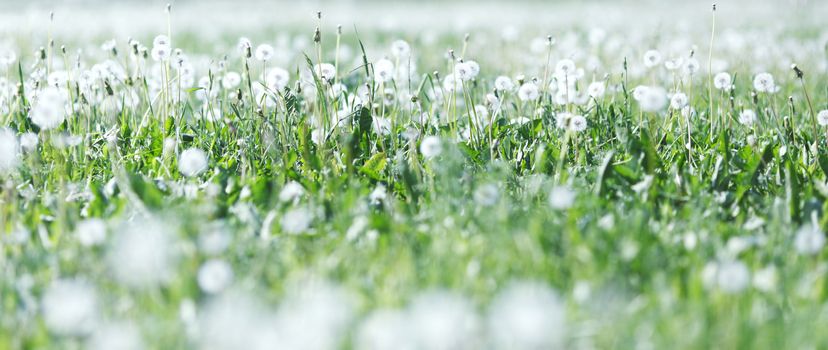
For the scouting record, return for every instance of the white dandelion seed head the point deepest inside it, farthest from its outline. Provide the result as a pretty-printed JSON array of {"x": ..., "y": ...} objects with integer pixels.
[
  {"x": 692, "y": 66},
  {"x": 162, "y": 40},
  {"x": 596, "y": 89},
  {"x": 527, "y": 315},
  {"x": 673, "y": 63},
  {"x": 561, "y": 197},
  {"x": 504, "y": 83},
  {"x": 58, "y": 79},
  {"x": 231, "y": 80},
  {"x": 214, "y": 241},
  {"x": 652, "y": 58},
  {"x": 264, "y": 52},
  {"x": 639, "y": 92},
  {"x": 562, "y": 120},
  {"x": 291, "y": 192},
  {"x": 381, "y": 125},
  {"x": 732, "y": 277},
  {"x": 710, "y": 270},
  {"x": 747, "y": 117},
  {"x": 160, "y": 53},
  {"x": 91, "y": 232},
  {"x": 70, "y": 307},
  {"x": 49, "y": 110},
  {"x": 475, "y": 68},
  {"x": 822, "y": 118},
  {"x": 400, "y": 49},
  {"x": 482, "y": 114},
  {"x": 296, "y": 221},
  {"x": 766, "y": 279},
  {"x": 384, "y": 330},
  {"x": 431, "y": 147},
  {"x": 809, "y": 240},
  {"x": 493, "y": 101},
  {"x": 9, "y": 150},
  {"x": 463, "y": 71},
  {"x": 654, "y": 99},
  {"x": 451, "y": 84},
  {"x": 214, "y": 276},
  {"x": 679, "y": 100},
  {"x": 442, "y": 320},
  {"x": 565, "y": 67},
  {"x": 383, "y": 70},
  {"x": 486, "y": 195},
  {"x": 7, "y": 58},
  {"x": 143, "y": 254},
  {"x": 235, "y": 321},
  {"x": 192, "y": 162},
  {"x": 763, "y": 82},
  {"x": 28, "y": 142},
  {"x": 315, "y": 315},
  {"x": 378, "y": 195},
  {"x": 116, "y": 335},
  {"x": 243, "y": 45},
  {"x": 723, "y": 81},
  {"x": 325, "y": 71},
  {"x": 577, "y": 123},
  {"x": 528, "y": 92},
  {"x": 277, "y": 78}
]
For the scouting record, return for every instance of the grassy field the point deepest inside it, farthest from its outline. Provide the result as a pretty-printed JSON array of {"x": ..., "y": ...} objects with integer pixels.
[{"x": 647, "y": 178}]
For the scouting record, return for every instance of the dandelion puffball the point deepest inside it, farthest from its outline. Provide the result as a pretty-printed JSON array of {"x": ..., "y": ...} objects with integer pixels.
[
  {"x": 231, "y": 80},
  {"x": 732, "y": 277},
  {"x": 49, "y": 110},
  {"x": 214, "y": 276},
  {"x": 192, "y": 162},
  {"x": 443, "y": 321},
  {"x": 723, "y": 81},
  {"x": 28, "y": 142},
  {"x": 822, "y": 118},
  {"x": 561, "y": 197},
  {"x": 679, "y": 101},
  {"x": 116, "y": 335},
  {"x": 143, "y": 254},
  {"x": 503, "y": 83},
  {"x": 527, "y": 315},
  {"x": 400, "y": 49},
  {"x": 296, "y": 221},
  {"x": 384, "y": 330},
  {"x": 651, "y": 98},
  {"x": 809, "y": 240},
  {"x": 325, "y": 71},
  {"x": 70, "y": 307},
  {"x": 91, "y": 232},
  {"x": 277, "y": 78},
  {"x": 528, "y": 92},
  {"x": 763, "y": 82},
  {"x": 291, "y": 192},
  {"x": 264, "y": 52},
  {"x": 652, "y": 58},
  {"x": 431, "y": 147},
  {"x": 596, "y": 89},
  {"x": 577, "y": 123},
  {"x": 9, "y": 151},
  {"x": 383, "y": 71},
  {"x": 747, "y": 117}
]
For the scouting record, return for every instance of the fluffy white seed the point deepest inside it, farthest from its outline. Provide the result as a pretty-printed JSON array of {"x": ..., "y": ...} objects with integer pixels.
[{"x": 192, "y": 162}]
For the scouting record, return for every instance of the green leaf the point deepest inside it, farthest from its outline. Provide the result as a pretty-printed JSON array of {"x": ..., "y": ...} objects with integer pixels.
[
  {"x": 755, "y": 168},
  {"x": 602, "y": 172},
  {"x": 147, "y": 191},
  {"x": 374, "y": 167}
]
